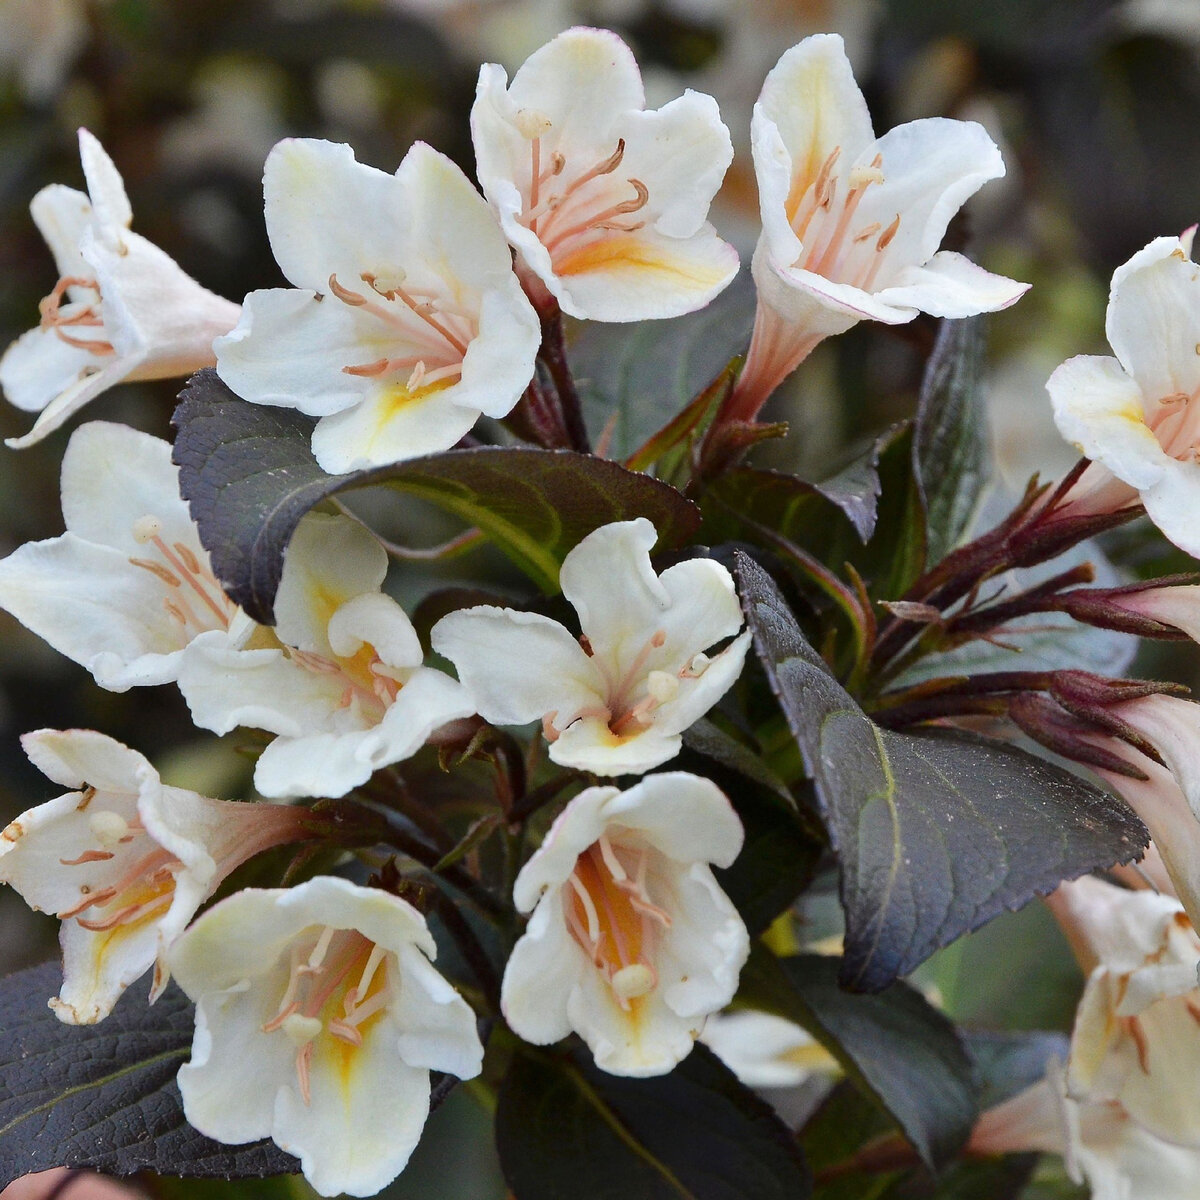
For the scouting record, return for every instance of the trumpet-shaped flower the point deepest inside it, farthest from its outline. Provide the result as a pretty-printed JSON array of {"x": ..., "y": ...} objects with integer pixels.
[
  {"x": 122, "y": 309},
  {"x": 617, "y": 699},
  {"x": 851, "y": 223},
  {"x": 318, "y": 1020},
  {"x": 343, "y": 688},
  {"x": 1138, "y": 415},
  {"x": 1137, "y": 1030},
  {"x": 1100, "y": 1143},
  {"x": 605, "y": 203},
  {"x": 766, "y": 1051},
  {"x": 125, "y": 590},
  {"x": 405, "y": 322},
  {"x": 124, "y": 861},
  {"x": 631, "y": 943}
]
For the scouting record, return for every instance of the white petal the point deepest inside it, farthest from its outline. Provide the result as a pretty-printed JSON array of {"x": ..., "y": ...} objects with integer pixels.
[
  {"x": 150, "y": 304},
  {"x": 820, "y": 307},
  {"x": 685, "y": 817},
  {"x": 589, "y": 745},
  {"x": 289, "y": 350},
  {"x": 1099, "y": 409},
  {"x": 376, "y": 620},
  {"x": 499, "y": 361},
  {"x": 582, "y": 81},
  {"x": 105, "y": 188},
  {"x": 949, "y": 285},
  {"x": 1153, "y": 315},
  {"x": 703, "y": 610},
  {"x": 330, "y": 559},
  {"x": 697, "y": 696},
  {"x": 436, "y": 1025},
  {"x": 328, "y": 214},
  {"x": 39, "y": 365},
  {"x": 98, "y": 967},
  {"x": 517, "y": 666},
  {"x": 810, "y": 96},
  {"x": 1171, "y": 503},
  {"x": 61, "y": 215},
  {"x": 611, "y": 584},
  {"x": 930, "y": 167},
  {"x": 389, "y": 425},
  {"x": 79, "y": 757},
  {"x": 91, "y": 604},
  {"x": 112, "y": 476},
  {"x": 643, "y": 276},
  {"x": 681, "y": 153},
  {"x": 541, "y": 972}
]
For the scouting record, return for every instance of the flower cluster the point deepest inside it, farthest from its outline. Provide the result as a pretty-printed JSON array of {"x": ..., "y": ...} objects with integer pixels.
[{"x": 582, "y": 889}]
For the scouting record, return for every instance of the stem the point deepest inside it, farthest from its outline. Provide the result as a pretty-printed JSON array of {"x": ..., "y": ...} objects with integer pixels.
[
  {"x": 471, "y": 948},
  {"x": 553, "y": 354}
]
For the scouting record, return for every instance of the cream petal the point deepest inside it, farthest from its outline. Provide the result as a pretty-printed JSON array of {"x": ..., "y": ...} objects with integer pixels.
[
  {"x": 1153, "y": 315},
  {"x": 1172, "y": 726},
  {"x": 289, "y": 350},
  {"x": 766, "y": 1051},
  {"x": 498, "y": 364},
  {"x": 79, "y": 757},
  {"x": 517, "y": 666},
  {"x": 234, "y": 1073},
  {"x": 39, "y": 366},
  {"x": 92, "y": 605},
  {"x": 436, "y": 1025},
  {"x": 1098, "y": 409},
  {"x": 540, "y": 975},
  {"x": 377, "y": 620},
  {"x": 354, "y": 1139},
  {"x": 697, "y": 696},
  {"x": 112, "y": 476},
  {"x": 330, "y": 560},
  {"x": 618, "y": 620},
  {"x": 931, "y": 167},
  {"x": 98, "y": 967},
  {"x": 812, "y": 99},
  {"x": 681, "y": 153},
  {"x": 703, "y": 610},
  {"x": 328, "y": 214},
  {"x": 589, "y": 745},
  {"x": 391, "y": 425},
  {"x": 582, "y": 81},
  {"x": 1171, "y": 503},
  {"x": 644, "y": 276},
  {"x": 950, "y": 285},
  {"x": 150, "y": 304},
  {"x": 106, "y": 190},
  {"x": 687, "y": 818},
  {"x": 61, "y": 215},
  {"x": 82, "y": 390},
  {"x": 581, "y": 823}
]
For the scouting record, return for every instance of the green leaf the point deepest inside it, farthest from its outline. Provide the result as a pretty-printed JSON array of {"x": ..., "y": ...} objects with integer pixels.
[
  {"x": 950, "y": 445},
  {"x": 896, "y": 1046},
  {"x": 565, "y": 1128},
  {"x": 935, "y": 833},
  {"x": 249, "y": 476},
  {"x": 639, "y": 376},
  {"x": 104, "y": 1096}
]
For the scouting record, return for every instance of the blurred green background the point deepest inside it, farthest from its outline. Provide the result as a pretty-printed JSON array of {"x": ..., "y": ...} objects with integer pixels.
[{"x": 1095, "y": 105}]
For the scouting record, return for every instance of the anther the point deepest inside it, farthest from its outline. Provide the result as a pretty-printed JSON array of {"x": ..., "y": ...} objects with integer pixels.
[
  {"x": 532, "y": 124},
  {"x": 108, "y": 828},
  {"x": 345, "y": 295},
  {"x": 662, "y": 686},
  {"x": 632, "y": 981},
  {"x": 885, "y": 238},
  {"x": 146, "y": 529},
  {"x": 301, "y": 1029}
]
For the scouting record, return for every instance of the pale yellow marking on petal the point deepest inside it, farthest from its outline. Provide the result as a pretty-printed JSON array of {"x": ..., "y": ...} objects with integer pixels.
[
  {"x": 395, "y": 398},
  {"x": 612, "y": 254}
]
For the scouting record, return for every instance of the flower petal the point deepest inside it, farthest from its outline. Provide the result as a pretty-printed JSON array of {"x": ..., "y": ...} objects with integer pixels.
[
  {"x": 540, "y": 974},
  {"x": 517, "y": 666},
  {"x": 1098, "y": 409},
  {"x": 106, "y": 190},
  {"x": 61, "y": 215},
  {"x": 1153, "y": 315},
  {"x": 950, "y": 285}
]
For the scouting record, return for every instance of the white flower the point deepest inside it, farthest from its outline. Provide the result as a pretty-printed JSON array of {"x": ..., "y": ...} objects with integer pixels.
[
  {"x": 605, "y": 203},
  {"x": 124, "y": 862},
  {"x": 125, "y": 590},
  {"x": 766, "y": 1051},
  {"x": 1100, "y": 1143},
  {"x": 1137, "y": 1029},
  {"x": 851, "y": 223},
  {"x": 408, "y": 321},
  {"x": 318, "y": 1020},
  {"x": 343, "y": 687},
  {"x": 1137, "y": 415},
  {"x": 631, "y": 943},
  {"x": 122, "y": 309},
  {"x": 617, "y": 699}
]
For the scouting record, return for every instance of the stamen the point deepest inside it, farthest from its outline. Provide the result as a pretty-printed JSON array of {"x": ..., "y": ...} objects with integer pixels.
[
  {"x": 345, "y": 295},
  {"x": 88, "y": 856},
  {"x": 633, "y": 981},
  {"x": 368, "y": 370},
  {"x": 589, "y": 908},
  {"x": 885, "y": 239},
  {"x": 548, "y": 731},
  {"x": 146, "y": 529},
  {"x": 90, "y": 898},
  {"x": 610, "y": 859},
  {"x": 317, "y": 957},
  {"x": 158, "y": 570},
  {"x": 108, "y": 828}
]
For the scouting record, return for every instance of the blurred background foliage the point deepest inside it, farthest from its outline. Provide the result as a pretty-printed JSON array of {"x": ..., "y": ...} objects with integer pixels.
[{"x": 1095, "y": 105}]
